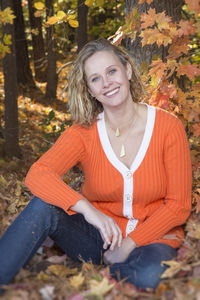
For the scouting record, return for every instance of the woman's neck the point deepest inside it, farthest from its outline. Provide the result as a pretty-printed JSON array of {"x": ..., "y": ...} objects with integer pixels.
[{"x": 121, "y": 117}]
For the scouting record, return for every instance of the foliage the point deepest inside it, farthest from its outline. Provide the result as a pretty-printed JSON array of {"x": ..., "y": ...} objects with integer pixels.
[
  {"x": 6, "y": 17},
  {"x": 173, "y": 84}
]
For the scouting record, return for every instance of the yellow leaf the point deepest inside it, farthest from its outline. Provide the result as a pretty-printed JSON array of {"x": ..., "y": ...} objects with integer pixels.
[
  {"x": 7, "y": 39},
  {"x": 174, "y": 268},
  {"x": 39, "y": 5},
  {"x": 71, "y": 17},
  {"x": 52, "y": 20},
  {"x": 38, "y": 13},
  {"x": 61, "y": 271},
  {"x": 61, "y": 14},
  {"x": 73, "y": 23},
  {"x": 100, "y": 2},
  {"x": 100, "y": 287},
  {"x": 77, "y": 280},
  {"x": 89, "y": 2}
]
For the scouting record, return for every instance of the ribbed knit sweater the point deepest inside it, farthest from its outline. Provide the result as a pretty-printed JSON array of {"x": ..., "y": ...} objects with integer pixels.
[{"x": 149, "y": 201}]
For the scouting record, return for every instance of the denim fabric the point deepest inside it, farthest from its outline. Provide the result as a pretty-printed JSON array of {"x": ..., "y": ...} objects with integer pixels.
[{"x": 78, "y": 239}]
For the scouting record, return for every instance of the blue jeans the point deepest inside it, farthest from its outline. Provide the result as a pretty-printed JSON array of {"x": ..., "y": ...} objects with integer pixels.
[{"x": 77, "y": 238}]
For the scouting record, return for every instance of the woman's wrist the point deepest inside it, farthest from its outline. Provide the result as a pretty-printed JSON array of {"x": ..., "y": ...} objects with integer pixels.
[{"x": 81, "y": 206}]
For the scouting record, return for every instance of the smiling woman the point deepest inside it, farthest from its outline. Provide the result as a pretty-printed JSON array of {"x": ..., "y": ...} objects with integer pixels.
[{"x": 137, "y": 189}]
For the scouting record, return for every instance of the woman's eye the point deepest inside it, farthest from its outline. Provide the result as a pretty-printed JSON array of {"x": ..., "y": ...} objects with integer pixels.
[
  {"x": 94, "y": 79},
  {"x": 112, "y": 71}
]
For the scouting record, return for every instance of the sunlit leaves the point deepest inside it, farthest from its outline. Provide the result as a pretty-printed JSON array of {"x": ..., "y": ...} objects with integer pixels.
[
  {"x": 39, "y": 5},
  {"x": 89, "y": 2},
  {"x": 189, "y": 70},
  {"x": 193, "y": 5},
  {"x": 6, "y": 16}
]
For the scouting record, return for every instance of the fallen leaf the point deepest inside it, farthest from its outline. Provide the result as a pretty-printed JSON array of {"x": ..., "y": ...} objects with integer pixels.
[
  {"x": 47, "y": 292},
  {"x": 77, "y": 280},
  {"x": 61, "y": 271},
  {"x": 174, "y": 268},
  {"x": 100, "y": 287}
]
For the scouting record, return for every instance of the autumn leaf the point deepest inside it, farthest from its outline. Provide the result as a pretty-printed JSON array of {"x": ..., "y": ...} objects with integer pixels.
[
  {"x": 71, "y": 17},
  {"x": 7, "y": 39},
  {"x": 7, "y": 16},
  {"x": 77, "y": 280},
  {"x": 176, "y": 49},
  {"x": 162, "y": 21},
  {"x": 143, "y": 1},
  {"x": 89, "y": 2},
  {"x": 52, "y": 20},
  {"x": 100, "y": 287},
  {"x": 61, "y": 14},
  {"x": 73, "y": 23},
  {"x": 188, "y": 69},
  {"x": 174, "y": 268},
  {"x": 148, "y": 19},
  {"x": 61, "y": 271},
  {"x": 186, "y": 28},
  {"x": 196, "y": 129},
  {"x": 151, "y": 36},
  {"x": 39, "y": 5},
  {"x": 194, "y": 6},
  {"x": 158, "y": 67}
]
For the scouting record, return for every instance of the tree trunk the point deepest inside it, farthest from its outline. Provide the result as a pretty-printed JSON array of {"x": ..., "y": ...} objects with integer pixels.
[
  {"x": 24, "y": 74},
  {"x": 10, "y": 87},
  {"x": 38, "y": 44},
  {"x": 52, "y": 77},
  {"x": 82, "y": 37},
  {"x": 145, "y": 54}
]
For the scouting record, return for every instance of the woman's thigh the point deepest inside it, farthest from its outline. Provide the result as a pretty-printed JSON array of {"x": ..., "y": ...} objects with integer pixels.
[
  {"x": 143, "y": 267},
  {"x": 77, "y": 238}
]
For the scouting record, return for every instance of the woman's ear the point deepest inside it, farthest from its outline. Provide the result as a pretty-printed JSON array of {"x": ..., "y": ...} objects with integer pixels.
[{"x": 129, "y": 70}]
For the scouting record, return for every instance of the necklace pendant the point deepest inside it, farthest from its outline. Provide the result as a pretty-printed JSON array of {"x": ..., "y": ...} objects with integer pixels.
[
  {"x": 122, "y": 152},
  {"x": 117, "y": 133}
]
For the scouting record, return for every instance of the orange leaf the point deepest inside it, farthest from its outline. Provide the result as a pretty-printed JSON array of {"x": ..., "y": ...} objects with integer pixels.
[
  {"x": 158, "y": 67},
  {"x": 190, "y": 70},
  {"x": 186, "y": 28},
  {"x": 143, "y": 1},
  {"x": 162, "y": 20},
  {"x": 151, "y": 36},
  {"x": 194, "y": 6},
  {"x": 148, "y": 19},
  {"x": 178, "y": 47},
  {"x": 196, "y": 129}
]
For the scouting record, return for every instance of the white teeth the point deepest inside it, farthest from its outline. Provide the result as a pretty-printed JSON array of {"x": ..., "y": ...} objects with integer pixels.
[{"x": 112, "y": 92}]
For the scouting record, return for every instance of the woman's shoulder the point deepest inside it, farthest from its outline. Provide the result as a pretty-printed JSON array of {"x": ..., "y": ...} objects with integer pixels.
[{"x": 167, "y": 119}]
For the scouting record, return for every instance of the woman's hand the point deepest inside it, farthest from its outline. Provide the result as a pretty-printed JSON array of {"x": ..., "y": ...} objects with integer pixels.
[
  {"x": 108, "y": 228},
  {"x": 119, "y": 254}
]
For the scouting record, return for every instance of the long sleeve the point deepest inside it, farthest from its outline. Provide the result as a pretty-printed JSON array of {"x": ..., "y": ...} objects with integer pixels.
[
  {"x": 177, "y": 203},
  {"x": 44, "y": 177}
]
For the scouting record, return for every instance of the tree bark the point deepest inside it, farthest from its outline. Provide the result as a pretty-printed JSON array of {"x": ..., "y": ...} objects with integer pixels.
[
  {"x": 145, "y": 54},
  {"x": 10, "y": 87},
  {"x": 38, "y": 44},
  {"x": 24, "y": 74},
  {"x": 52, "y": 77},
  {"x": 82, "y": 37}
]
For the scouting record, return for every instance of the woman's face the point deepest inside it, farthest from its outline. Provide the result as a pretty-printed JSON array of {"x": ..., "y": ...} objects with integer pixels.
[{"x": 108, "y": 79}]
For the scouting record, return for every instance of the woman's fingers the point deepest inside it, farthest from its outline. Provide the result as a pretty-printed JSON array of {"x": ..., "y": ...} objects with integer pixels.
[{"x": 111, "y": 234}]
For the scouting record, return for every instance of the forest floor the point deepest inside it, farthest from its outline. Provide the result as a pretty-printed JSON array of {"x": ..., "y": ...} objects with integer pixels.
[{"x": 51, "y": 275}]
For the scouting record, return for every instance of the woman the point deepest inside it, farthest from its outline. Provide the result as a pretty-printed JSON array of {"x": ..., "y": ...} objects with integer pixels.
[{"x": 137, "y": 189}]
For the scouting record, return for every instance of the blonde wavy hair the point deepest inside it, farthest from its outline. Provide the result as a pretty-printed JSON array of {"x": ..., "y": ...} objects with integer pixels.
[{"x": 83, "y": 107}]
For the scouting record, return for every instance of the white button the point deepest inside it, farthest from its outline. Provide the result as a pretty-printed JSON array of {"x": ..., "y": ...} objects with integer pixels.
[
  {"x": 130, "y": 227},
  {"x": 128, "y": 197},
  {"x": 129, "y": 174}
]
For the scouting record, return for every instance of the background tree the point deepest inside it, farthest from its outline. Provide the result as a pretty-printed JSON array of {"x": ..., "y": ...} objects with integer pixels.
[
  {"x": 145, "y": 54},
  {"x": 52, "y": 77},
  {"x": 24, "y": 73},
  {"x": 39, "y": 57},
  {"x": 10, "y": 89},
  {"x": 82, "y": 36}
]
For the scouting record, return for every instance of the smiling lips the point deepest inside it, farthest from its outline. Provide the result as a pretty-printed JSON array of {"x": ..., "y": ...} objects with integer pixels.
[{"x": 112, "y": 92}]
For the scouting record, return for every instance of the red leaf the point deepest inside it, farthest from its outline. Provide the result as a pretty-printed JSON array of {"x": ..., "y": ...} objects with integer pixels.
[{"x": 190, "y": 70}]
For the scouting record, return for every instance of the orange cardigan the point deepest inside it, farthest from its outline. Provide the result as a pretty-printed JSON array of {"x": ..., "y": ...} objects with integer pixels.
[{"x": 149, "y": 201}]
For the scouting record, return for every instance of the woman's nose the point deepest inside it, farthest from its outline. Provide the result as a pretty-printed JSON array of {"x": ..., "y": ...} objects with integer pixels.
[{"x": 106, "y": 81}]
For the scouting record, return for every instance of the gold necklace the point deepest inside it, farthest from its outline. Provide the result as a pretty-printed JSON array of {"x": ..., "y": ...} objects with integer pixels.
[{"x": 117, "y": 134}]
